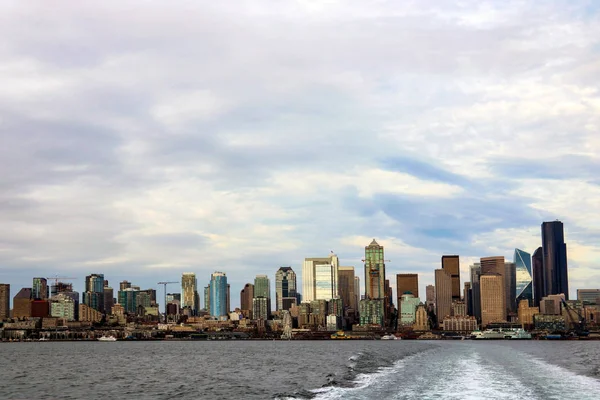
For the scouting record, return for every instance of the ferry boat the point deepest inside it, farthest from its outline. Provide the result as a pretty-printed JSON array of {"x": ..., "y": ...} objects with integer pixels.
[
  {"x": 107, "y": 339},
  {"x": 511, "y": 334},
  {"x": 390, "y": 337}
]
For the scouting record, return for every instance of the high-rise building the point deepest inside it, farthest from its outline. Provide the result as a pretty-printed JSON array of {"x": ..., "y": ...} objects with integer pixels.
[
  {"x": 22, "y": 304},
  {"x": 39, "y": 290},
  {"x": 346, "y": 287},
  {"x": 108, "y": 297},
  {"x": 468, "y": 297},
  {"x": 260, "y": 308},
  {"x": 218, "y": 295},
  {"x": 357, "y": 291},
  {"x": 408, "y": 307},
  {"x": 493, "y": 308},
  {"x": 4, "y": 301},
  {"x": 510, "y": 286},
  {"x": 93, "y": 296},
  {"x": 61, "y": 287},
  {"x": 320, "y": 278},
  {"x": 407, "y": 284},
  {"x": 189, "y": 292},
  {"x": 585, "y": 296},
  {"x": 374, "y": 271},
  {"x": 285, "y": 285},
  {"x": 246, "y": 296},
  {"x": 372, "y": 312},
  {"x": 228, "y": 298},
  {"x": 494, "y": 265},
  {"x": 537, "y": 267},
  {"x": 64, "y": 306},
  {"x": 128, "y": 299},
  {"x": 173, "y": 297},
  {"x": 451, "y": 264},
  {"x": 443, "y": 294},
  {"x": 430, "y": 296},
  {"x": 476, "y": 291},
  {"x": 554, "y": 248},
  {"x": 124, "y": 285},
  {"x": 207, "y": 298},
  {"x": 524, "y": 280}
]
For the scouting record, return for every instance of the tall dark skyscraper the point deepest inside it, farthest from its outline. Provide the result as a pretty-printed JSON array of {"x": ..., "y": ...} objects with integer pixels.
[
  {"x": 537, "y": 261},
  {"x": 554, "y": 249},
  {"x": 451, "y": 264}
]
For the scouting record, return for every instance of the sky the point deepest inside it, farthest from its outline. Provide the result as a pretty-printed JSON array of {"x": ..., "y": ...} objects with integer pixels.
[{"x": 144, "y": 139}]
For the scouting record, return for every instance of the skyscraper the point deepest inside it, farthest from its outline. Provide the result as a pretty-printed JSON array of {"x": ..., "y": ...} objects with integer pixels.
[
  {"x": 207, "y": 298},
  {"x": 246, "y": 296},
  {"x": 476, "y": 290},
  {"x": 537, "y": 267},
  {"x": 346, "y": 287},
  {"x": 285, "y": 285},
  {"x": 510, "y": 286},
  {"x": 407, "y": 284},
  {"x": 494, "y": 266},
  {"x": 524, "y": 280},
  {"x": 93, "y": 296},
  {"x": 451, "y": 264},
  {"x": 492, "y": 298},
  {"x": 554, "y": 248},
  {"x": 218, "y": 295},
  {"x": 430, "y": 296},
  {"x": 374, "y": 271},
  {"x": 443, "y": 294},
  {"x": 228, "y": 307},
  {"x": 262, "y": 286},
  {"x": 320, "y": 278},
  {"x": 189, "y": 290},
  {"x": 357, "y": 290},
  {"x": 39, "y": 290},
  {"x": 108, "y": 297},
  {"x": 4, "y": 301}
]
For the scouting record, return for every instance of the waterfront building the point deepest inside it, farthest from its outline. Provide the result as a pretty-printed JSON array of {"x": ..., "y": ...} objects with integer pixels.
[
  {"x": 94, "y": 292},
  {"x": 64, "y": 306},
  {"x": 374, "y": 271},
  {"x": 334, "y": 323},
  {"x": 4, "y": 301},
  {"x": 476, "y": 290},
  {"x": 335, "y": 307},
  {"x": 589, "y": 296},
  {"x": 492, "y": 298},
  {"x": 510, "y": 286},
  {"x": 371, "y": 312},
  {"x": 537, "y": 267},
  {"x": 460, "y": 323},
  {"x": 346, "y": 287},
  {"x": 526, "y": 313},
  {"x": 421, "y": 318},
  {"x": 408, "y": 308},
  {"x": 451, "y": 264},
  {"x": 554, "y": 251},
  {"x": 189, "y": 292},
  {"x": 443, "y": 294},
  {"x": 285, "y": 286},
  {"x": 320, "y": 278},
  {"x": 549, "y": 323},
  {"x": 22, "y": 304},
  {"x": 39, "y": 289},
  {"x": 89, "y": 314},
  {"x": 523, "y": 277},
  {"x": 318, "y": 313},
  {"x": 495, "y": 266},
  {"x": 246, "y": 302},
  {"x": 459, "y": 309},
  {"x": 552, "y": 304},
  {"x": 260, "y": 308},
  {"x": 218, "y": 295},
  {"x": 407, "y": 284},
  {"x": 128, "y": 298}
]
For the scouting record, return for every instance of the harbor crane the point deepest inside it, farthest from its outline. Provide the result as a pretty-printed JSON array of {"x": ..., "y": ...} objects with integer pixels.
[
  {"x": 165, "y": 291},
  {"x": 579, "y": 326}
]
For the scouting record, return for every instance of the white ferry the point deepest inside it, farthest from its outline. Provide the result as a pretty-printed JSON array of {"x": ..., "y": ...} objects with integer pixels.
[
  {"x": 390, "y": 337},
  {"x": 107, "y": 339},
  {"x": 491, "y": 334}
]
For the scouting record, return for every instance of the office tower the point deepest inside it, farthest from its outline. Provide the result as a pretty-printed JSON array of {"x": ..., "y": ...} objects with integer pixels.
[
  {"x": 320, "y": 278},
  {"x": 218, "y": 295},
  {"x": 228, "y": 298},
  {"x": 357, "y": 291},
  {"x": 407, "y": 284},
  {"x": 494, "y": 265},
  {"x": 93, "y": 297},
  {"x": 421, "y": 319},
  {"x": 468, "y": 297},
  {"x": 585, "y": 296},
  {"x": 408, "y": 307},
  {"x": 493, "y": 308},
  {"x": 443, "y": 294},
  {"x": 124, "y": 285},
  {"x": 285, "y": 286},
  {"x": 430, "y": 296},
  {"x": 189, "y": 290},
  {"x": 510, "y": 286},
  {"x": 174, "y": 297},
  {"x": 262, "y": 286},
  {"x": 476, "y": 290},
  {"x": 346, "y": 287},
  {"x": 246, "y": 296},
  {"x": 4, "y": 301},
  {"x": 22, "y": 304},
  {"x": 260, "y": 308},
  {"x": 108, "y": 297},
  {"x": 207, "y": 298},
  {"x": 524, "y": 280},
  {"x": 128, "y": 299},
  {"x": 64, "y": 306},
  {"x": 39, "y": 290},
  {"x": 61, "y": 287},
  {"x": 554, "y": 251},
  {"x": 451, "y": 264},
  {"x": 374, "y": 271},
  {"x": 372, "y": 312},
  {"x": 537, "y": 267}
]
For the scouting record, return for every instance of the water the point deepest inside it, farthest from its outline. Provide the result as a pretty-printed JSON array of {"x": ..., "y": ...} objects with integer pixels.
[{"x": 301, "y": 370}]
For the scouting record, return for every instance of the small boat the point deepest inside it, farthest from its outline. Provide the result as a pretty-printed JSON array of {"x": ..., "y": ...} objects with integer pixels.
[
  {"x": 390, "y": 337},
  {"x": 107, "y": 339}
]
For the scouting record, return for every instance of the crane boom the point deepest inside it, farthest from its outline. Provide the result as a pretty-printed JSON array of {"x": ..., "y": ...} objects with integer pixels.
[{"x": 165, "y": 291}]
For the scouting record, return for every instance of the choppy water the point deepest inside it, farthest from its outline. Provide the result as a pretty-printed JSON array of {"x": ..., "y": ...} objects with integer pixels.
[{"x": 301, "y": 370}]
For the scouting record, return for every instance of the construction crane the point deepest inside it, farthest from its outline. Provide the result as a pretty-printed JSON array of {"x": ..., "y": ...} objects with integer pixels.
[
  {"x": 579, "y": 326},
  {"x": 165, "y": 289},
  {"x": 56, "y": 279}
]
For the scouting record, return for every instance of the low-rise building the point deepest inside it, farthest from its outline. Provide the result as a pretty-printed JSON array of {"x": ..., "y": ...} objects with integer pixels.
[
  {"x": 460, "y": 323},
  {"x": 526, "y": 314},
  {"x": 88, "y": 314}
]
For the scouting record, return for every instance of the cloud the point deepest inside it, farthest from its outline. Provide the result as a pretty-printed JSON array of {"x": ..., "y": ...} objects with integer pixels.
[{"x": 241, "y": 138}]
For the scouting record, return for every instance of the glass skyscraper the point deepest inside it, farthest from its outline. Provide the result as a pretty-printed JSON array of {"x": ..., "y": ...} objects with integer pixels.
[
  {"x": 554, "y": 251},
  {"x": 94, "y": 292},
  {"x": 524, "y": 283},
  {"x": 374, "y": 271},
  {"x": 285, "y": 285},
  {"x": 218, "y": 295}
]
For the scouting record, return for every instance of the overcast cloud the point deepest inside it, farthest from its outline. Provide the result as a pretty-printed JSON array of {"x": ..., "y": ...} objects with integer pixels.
[{"x": 145, "y": 139}]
